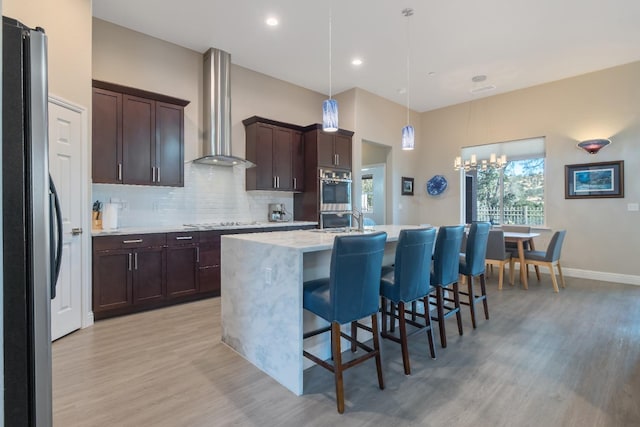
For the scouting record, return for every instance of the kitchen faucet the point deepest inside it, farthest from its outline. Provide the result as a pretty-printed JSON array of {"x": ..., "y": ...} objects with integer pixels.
[{"x": 358, "y": 216}]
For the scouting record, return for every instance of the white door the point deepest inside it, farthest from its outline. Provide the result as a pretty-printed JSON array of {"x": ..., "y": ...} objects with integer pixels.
[{"x": 65, "y": 151}]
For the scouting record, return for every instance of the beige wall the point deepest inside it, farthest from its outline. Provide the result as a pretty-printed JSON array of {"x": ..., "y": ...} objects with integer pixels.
[
  {"x": 134, "y": 59},
  {"x": 67, "y": 24},
  {"x": 601, "y": 234}
]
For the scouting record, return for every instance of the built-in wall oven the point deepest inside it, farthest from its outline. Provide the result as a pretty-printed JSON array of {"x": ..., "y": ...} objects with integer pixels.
[{"x": 335, "y": 198}]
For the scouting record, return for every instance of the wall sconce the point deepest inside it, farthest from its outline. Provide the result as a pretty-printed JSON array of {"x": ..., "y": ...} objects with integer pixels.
[
  {"x": 473, "y": 163},
  {"x": 592, "y": 146}
]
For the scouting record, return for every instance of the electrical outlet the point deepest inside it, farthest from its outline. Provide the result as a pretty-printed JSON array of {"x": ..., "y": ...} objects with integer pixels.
[
  {"x": 633, "y": 207},
  {"x": 267, "y": 275}
]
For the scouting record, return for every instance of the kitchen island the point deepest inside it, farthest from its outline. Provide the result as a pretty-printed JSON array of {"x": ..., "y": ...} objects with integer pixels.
[{"x": 262, "y": 314}]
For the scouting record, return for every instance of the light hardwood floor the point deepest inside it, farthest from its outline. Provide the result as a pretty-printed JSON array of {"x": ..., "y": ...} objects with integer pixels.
[{"x": 543, "y": 359}]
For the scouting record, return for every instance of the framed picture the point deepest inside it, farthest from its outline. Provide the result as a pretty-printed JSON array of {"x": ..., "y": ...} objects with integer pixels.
[
  {"x": 407, "y": 186},
  {"x": 593, "y": 180}
]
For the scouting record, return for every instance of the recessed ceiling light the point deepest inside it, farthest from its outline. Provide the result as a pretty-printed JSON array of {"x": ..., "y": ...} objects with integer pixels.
[
  {"x": 356, "y": 61},
  {"x": 431, "y": 73},
  {"x": 272, "y": 21}
]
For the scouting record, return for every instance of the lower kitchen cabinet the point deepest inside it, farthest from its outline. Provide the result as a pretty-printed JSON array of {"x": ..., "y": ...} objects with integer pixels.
[
  {"x": 183, "y": 256},
  {"x": 144, "y": 271},
  {"x": 209, "y": 267},
  {"x": 112, "y": 280},
  {"x": 148, "y": 275}
]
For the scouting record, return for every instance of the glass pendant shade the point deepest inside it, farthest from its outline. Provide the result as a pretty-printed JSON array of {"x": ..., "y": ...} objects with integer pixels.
[
  {"x": 330, "y": 115},
  {"x": 408, "y": 138}
]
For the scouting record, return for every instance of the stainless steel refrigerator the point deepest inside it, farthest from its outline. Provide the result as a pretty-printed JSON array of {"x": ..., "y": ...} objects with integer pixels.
[{"x": 31, "y": 245}]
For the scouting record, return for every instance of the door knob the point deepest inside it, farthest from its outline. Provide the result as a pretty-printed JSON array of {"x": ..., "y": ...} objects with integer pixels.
[{"x": 76, "y": 231}]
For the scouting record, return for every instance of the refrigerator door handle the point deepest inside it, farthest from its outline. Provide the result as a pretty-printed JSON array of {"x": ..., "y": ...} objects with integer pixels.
[{"x": 56, "y": 256}]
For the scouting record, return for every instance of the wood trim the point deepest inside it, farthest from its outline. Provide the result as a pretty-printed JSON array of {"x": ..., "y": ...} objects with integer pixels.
[
  {"x": 139, "y": 92},
  {"x": 255, "y": 119}
]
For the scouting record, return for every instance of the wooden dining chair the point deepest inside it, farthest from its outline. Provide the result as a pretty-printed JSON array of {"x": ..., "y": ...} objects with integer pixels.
[
  {"x": 548, "y": 258},
  {"x": 497, "y": 255}
]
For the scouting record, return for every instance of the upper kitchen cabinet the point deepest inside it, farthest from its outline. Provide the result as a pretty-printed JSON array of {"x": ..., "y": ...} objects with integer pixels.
[
  {"x": 138, "y": 136},
  {"x": 277, "y": 150},
  {"x": 327, "y": 149}
]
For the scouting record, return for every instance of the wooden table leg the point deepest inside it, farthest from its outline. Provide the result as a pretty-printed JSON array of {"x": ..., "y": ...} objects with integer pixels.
[{"x": 523, "y": 266}]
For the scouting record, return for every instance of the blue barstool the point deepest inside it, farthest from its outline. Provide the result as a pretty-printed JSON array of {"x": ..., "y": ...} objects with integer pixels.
[
  {"x": 406, "y": 282},
  {"x": 350, "y": 293},
  {"x": 446, "y": 258},
  {"x": 472, "y": 264}
]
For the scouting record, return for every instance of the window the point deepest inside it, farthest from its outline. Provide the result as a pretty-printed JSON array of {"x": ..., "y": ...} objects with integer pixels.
[
  {"x": 513, "y": 194},
  {"x": 367, "y": 193}
]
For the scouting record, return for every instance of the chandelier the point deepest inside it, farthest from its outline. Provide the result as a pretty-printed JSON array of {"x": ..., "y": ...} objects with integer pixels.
[{"x": 493, "y": 162}]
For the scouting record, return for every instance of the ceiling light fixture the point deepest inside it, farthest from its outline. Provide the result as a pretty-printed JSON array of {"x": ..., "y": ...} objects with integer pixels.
[
  {"x": 356, "y": 61},
  {"x": 272, "y": 21},
  {"x": 330, "y": 106},
  {"x": 408, "y": 133},
  {"x": 592, "y": 146}
]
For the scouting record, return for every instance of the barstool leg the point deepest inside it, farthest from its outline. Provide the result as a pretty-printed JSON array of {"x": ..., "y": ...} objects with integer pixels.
[
  {"x": 427, "y": 318},
  {"x": 354, "y": 335},
  {"x": 472, "y": 301},
  {"x": 456, "y": 299},
  {"x": 383, "y": 304},
  {"x": 376, "y": 347},
  {"x": 440, "y": 308},
  {"x": 403, "y": 338},
  {"x": 483, "y": 289},
  {"x": 337, "y": 365}
]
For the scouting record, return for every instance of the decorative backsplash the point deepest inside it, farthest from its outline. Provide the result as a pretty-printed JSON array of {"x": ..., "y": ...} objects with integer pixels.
[{"x": 210, "y": 194}]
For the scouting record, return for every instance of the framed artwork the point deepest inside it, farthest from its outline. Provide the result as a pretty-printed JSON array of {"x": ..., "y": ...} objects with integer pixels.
[
  {"x": 594, "y": 180},
  {"x": 407, "y": 186}
]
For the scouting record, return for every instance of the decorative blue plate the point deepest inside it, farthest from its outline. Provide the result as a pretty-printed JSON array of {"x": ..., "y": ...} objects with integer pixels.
[{"x": 436, "y": 185}]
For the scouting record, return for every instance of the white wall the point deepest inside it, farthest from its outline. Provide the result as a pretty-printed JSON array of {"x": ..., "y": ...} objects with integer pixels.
[
  {"x": 210, "y": 194},
  {"x": 602, "y": 235}
]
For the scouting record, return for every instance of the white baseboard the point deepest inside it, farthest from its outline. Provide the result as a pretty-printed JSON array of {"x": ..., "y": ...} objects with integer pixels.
[
  {"x": 627, "y": 279},
  {"x": 602, "y": 275}
]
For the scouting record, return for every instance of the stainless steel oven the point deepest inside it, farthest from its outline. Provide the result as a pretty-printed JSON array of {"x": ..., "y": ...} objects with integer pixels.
[
  {"x": 335, "y": 191},
  {"x": 335, "y": 219}
]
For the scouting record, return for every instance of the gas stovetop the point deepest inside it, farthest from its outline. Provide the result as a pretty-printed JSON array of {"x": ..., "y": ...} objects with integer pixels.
[{"x": 221, "y": 224}]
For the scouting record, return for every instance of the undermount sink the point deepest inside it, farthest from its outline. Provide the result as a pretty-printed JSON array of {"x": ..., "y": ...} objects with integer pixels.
[{"x": 344, "y": 230}]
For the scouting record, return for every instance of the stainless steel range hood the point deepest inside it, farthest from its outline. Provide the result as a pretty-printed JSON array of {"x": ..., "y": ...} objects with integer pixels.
[{"x": 217, "y": 111}]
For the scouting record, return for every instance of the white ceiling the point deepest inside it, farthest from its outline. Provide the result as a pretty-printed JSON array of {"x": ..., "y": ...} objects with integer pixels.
[{"x": 516, "y": 43}]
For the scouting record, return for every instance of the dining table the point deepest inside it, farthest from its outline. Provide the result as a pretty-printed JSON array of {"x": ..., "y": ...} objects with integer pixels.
[{"x": 519, "y": 239}]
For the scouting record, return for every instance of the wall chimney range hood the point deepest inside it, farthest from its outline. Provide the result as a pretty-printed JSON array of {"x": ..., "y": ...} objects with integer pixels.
[{"x": 217, "y": 111}]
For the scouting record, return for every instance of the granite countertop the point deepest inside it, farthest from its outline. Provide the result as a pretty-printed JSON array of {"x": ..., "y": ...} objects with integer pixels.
[
  {"x": 198, "y": 227},
  {"x": 314, "y": 240}
]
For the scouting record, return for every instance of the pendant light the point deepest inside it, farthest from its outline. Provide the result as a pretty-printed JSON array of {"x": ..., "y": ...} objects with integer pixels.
[
  {"x": 408, "y": 134},
  {"x": 330, "y": 106}
]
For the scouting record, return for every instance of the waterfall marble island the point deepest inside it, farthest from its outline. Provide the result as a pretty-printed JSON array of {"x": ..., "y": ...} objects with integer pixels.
[{"x": 262, "y": 314}]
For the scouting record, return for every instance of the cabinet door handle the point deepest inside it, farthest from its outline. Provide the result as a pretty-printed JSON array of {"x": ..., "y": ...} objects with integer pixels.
[
  {"x": 129, "y": 261},
  {"x": 197, "y": 254},
  {"x": 132, "y": 241},
  {"x": 119, "y": 171},
  {"x": 153, "y": 174},
  {"x": 135, "y": 261},
  {"x": 295, "y": 183},
  {"x": 274, "y": 182},
  {"x": 158, "y": 174},
  {"x": 184, "y": 237},
  {"x": 278, "y": 181},
  {"x": 337, "y": 159}
]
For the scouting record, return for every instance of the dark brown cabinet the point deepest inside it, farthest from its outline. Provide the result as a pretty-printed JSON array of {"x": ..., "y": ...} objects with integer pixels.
[
  {"x": 183, "y": 257},
  {"x": 128, "y": 271},
  {"x": 143, "y": 271},
  {"x": 330, "y": 149},
  {"x": 138, "y": 136},
  {"x": 107, "y": 136},
  {"x": 276, "y": 149},
  {"x": 209, "y": 266}
]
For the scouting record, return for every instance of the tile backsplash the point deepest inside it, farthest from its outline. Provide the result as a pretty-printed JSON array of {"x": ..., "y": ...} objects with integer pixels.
[{"x": 210, "y": 194}]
